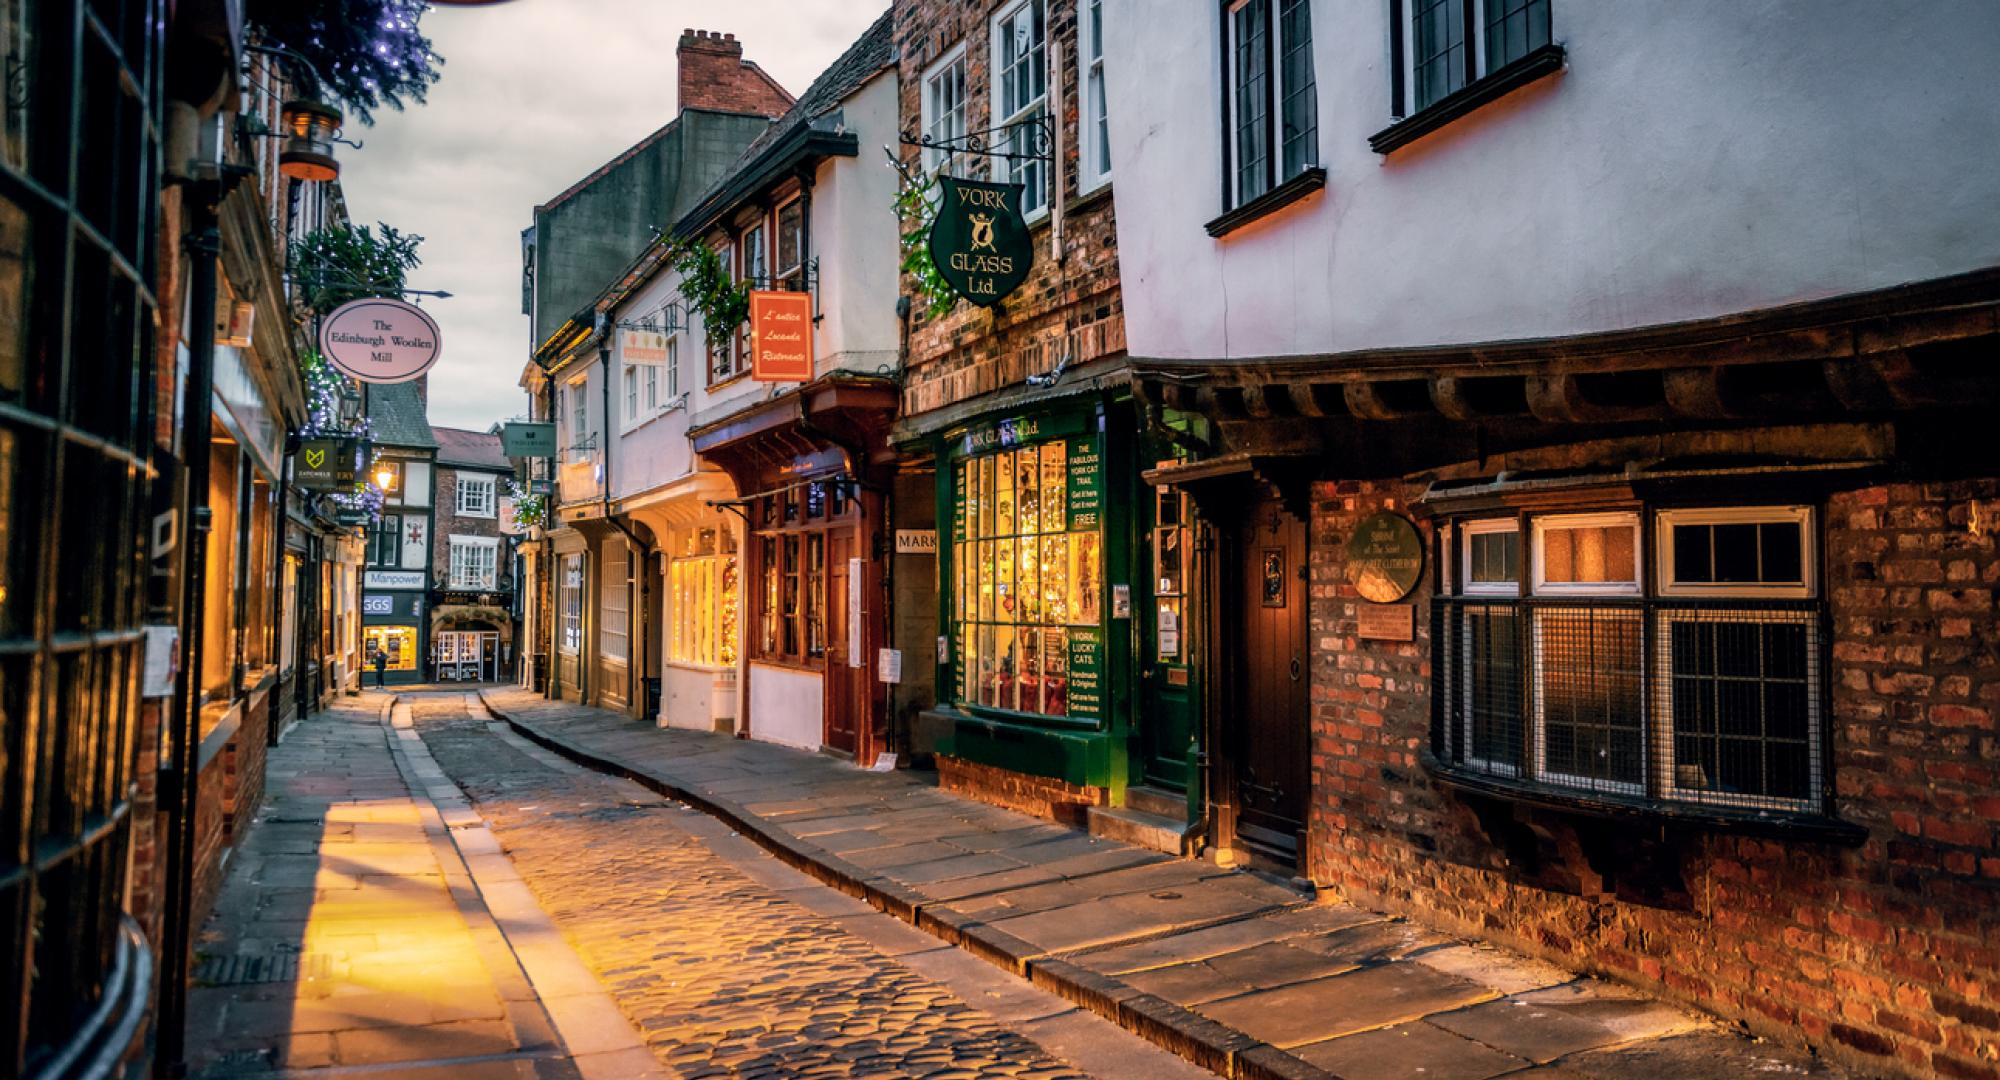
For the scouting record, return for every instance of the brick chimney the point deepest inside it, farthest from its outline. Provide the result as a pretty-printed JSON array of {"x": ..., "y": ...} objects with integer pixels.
[{"x": 714, "y": 76}]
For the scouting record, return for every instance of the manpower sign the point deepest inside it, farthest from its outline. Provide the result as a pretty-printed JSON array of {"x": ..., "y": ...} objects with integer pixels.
[{"x": 380, "y": 341}]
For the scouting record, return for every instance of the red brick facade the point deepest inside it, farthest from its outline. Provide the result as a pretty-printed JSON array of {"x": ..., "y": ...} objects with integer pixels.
[
  {"x": 1885, "y": 954},
  {"x": 1068, "y": 304},
  {"x": 1036, "y": 795},
  {"x": 714, "y": 76}
]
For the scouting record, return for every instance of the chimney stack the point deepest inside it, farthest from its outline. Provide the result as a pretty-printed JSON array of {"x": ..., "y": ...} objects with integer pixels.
[{"x": 714, "y": 76}]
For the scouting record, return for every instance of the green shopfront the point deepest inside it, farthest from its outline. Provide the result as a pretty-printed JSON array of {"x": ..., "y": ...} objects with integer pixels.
[{"x": 1063, "y": 585}]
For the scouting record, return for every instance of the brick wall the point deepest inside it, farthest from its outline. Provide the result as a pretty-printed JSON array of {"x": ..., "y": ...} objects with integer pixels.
[
  {"x": 1885, "y": 955},
  {"x": 714, "y": 75},
  {"x": 149, "y": 852},
  {"x": 447, "y": 521},
  {"x": 1040, "y": 796},
  {"x": 1068, "y": 304},
  {"x": 243, "y": 768}
]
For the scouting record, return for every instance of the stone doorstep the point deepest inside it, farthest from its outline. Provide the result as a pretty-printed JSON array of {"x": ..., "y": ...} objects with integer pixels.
[
  {"x": 1139, "y": 828},
  {"x": 1212, "y": 1045}
]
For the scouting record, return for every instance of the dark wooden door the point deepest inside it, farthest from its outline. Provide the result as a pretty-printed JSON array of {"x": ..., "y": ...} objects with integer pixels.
[
  {"x": 1270, "y": 743},
  {"x": 841, "y": 679}
]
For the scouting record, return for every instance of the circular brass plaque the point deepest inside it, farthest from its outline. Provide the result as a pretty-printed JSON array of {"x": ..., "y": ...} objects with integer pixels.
[{"x": 1385, "y": 558}]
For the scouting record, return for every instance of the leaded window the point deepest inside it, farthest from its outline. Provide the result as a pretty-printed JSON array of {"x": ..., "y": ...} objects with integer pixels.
[
  {"x": 1447, "y": 45},
  {"x": 1272, "y": 108},
  {"x": 1093, "y": 121},
  {"x": 1673, "y": 656}
]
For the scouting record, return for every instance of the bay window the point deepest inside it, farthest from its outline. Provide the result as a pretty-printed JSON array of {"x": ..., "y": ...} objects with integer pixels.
[
  {"x": 792, "y": 529},
  {"x": 1020, "y": 99},
  {"x": 1668, "y": 656}
]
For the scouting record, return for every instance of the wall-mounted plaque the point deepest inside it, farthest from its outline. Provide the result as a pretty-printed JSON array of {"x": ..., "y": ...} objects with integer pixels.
[
  {"x": 1387, "y": 622},
  {"x": 1385, "y": 558}
]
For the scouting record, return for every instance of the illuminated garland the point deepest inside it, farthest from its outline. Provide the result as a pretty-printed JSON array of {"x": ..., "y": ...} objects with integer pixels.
[{"x": 324, "y": 388}]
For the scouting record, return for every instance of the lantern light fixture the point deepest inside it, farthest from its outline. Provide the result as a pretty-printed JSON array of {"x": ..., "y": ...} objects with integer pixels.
[{"x": 310, "y": 128}]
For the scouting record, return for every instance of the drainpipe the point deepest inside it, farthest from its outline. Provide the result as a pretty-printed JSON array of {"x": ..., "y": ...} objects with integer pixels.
[{"x": 204, "y": 245}]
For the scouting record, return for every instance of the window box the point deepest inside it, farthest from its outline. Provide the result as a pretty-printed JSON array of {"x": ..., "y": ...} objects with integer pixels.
[{"x": 1538, "y": 64}]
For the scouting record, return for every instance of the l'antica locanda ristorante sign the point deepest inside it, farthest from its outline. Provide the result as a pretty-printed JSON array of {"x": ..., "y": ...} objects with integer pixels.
[
  {"x": 380, "y": 341},
  {"x": 979, "y": 242}
]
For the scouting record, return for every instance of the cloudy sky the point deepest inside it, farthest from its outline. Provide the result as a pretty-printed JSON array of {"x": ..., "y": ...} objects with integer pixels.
[{"x": 536, "y": 94}]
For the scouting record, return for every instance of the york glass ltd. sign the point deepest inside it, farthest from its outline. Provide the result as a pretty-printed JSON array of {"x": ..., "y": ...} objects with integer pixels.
[
  {"x": 979, "y": 242},
  {"x": 380, "y": 341}
]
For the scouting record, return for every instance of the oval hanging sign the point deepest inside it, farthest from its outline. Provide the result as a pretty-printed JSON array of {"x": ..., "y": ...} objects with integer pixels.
[
  {"x": 979, "y": 242},
  {"x": 379, "y": 340}
]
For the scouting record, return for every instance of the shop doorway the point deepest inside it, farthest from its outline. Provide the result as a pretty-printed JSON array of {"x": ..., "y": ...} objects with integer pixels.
[
  {"x": 842, "y": 680},
  {"x": 467, "y": 656},
  {"x": 1267, "y": 729}
]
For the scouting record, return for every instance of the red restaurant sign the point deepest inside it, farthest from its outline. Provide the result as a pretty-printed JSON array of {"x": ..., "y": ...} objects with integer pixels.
[{"x": 781, "y": 343}]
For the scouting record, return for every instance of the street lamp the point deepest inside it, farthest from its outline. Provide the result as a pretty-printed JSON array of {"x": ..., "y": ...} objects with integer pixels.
[
  {"x": 308, "y": 152},
  {"x": 350, "y": 407},
  {"x": 385, "y": 477}
]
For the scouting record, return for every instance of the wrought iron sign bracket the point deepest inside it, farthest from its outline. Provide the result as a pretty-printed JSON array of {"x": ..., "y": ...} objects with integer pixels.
[{"x": 1037, "y": 131}]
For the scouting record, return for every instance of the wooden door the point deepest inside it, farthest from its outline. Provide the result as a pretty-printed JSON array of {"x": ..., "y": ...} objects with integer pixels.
[
  {"x": 841, "y": 679},
  {"x": 1270, "y": 743}
]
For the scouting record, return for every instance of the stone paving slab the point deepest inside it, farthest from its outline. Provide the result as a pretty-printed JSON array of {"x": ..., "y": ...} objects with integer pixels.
[{"x": 1237, "y": 973}]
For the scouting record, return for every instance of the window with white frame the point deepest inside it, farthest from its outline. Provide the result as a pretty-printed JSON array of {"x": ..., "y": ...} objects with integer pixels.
[
  {"x": 1670, "y": 656},
  {"x": 724, "y": 363},
  {"x": 673, "y": 367},
  {"x": 474, "y": 562},
  {"x": 570, "y": 604},
  {"x": 649, "y": 389},
  {"x": 476, "y": 497},
  {"x": 631, "y": 394},
  {"x": 1093, "y": 121},
  {"x": 1020, "y": 97},
  {"x": 1447, "y": 45},
  {"x": 579, "y": 418},
  {"x": 1273, "y": 115},
  {"x": 613, "y": 603},
  {"x": 756, "y": 258},
  {"x": 943, "y": 110}
]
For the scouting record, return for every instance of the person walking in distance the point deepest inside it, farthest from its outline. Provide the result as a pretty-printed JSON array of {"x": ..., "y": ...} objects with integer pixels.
[{"x": 380, "y": 659}]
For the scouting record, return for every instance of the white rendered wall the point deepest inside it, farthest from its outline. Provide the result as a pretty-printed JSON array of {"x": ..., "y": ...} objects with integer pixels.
[
  {"x": 1696, "y": 159},
  {"x": 656, "y": 451},
  {"x": 855, "y": 239},
  {"x": 786, "y": 706}
]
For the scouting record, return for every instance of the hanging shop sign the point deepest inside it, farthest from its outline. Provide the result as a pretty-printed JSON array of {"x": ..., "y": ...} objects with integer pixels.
[
  {"x": 1385, "y": 558},
  {"x": 781, "y": 341},
  {"x": 378, "y": 340},
  {"x": 643, "y": 347},
  {"x": 526, "y": 438},
  {"x": 327, "y": 464},
  {"x": 979, "y": 241}
]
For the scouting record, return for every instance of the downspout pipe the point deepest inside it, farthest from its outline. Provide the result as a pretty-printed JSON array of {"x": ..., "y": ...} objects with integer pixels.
[{"x": 204, "y": 245}]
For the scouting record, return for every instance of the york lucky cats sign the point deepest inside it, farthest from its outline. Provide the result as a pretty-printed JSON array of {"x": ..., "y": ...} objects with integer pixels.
[
  {"x": 378, "y": 340},
  {"x": 979, "y": 242}
]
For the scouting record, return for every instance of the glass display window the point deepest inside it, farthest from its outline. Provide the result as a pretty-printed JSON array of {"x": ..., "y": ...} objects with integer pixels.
[
  {"x": 399, "y": 642},
  {"x": 1028, "y": 578}
]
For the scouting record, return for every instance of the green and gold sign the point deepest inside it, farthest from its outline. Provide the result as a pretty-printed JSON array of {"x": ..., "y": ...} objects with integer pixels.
[
  {"x": 1086, "y": 672},
  {"x": 327, "y": 464},
  {"x": 979, "y": 242},
  {"x": 1385, "y": 558}
]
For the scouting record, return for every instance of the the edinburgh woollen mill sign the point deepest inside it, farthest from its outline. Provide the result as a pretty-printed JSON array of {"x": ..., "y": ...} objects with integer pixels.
[
  {"x": 781, "y": 337},
  {"x": 979, "y": 242},
  {"x": 380, "y": 341}
]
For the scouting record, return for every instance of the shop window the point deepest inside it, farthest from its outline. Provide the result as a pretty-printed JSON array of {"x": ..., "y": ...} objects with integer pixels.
[
  {"x": 702, "y": 581},
  {"x": 613, "y": 603},
  {"x": 399, "y": 642},
  {"x": 570, "y": 601},
  {"x": 793, "y": 620},
  {"x": 1028, "y": 575},
  {"x": 1707, "y": 690}
]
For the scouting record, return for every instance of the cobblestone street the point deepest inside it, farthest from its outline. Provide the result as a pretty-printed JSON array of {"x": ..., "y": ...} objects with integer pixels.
[{"x": 721, "y": 959}]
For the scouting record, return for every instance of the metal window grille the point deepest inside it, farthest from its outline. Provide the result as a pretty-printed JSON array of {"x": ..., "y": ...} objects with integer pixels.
[{"x": 1705, "y": 702}]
